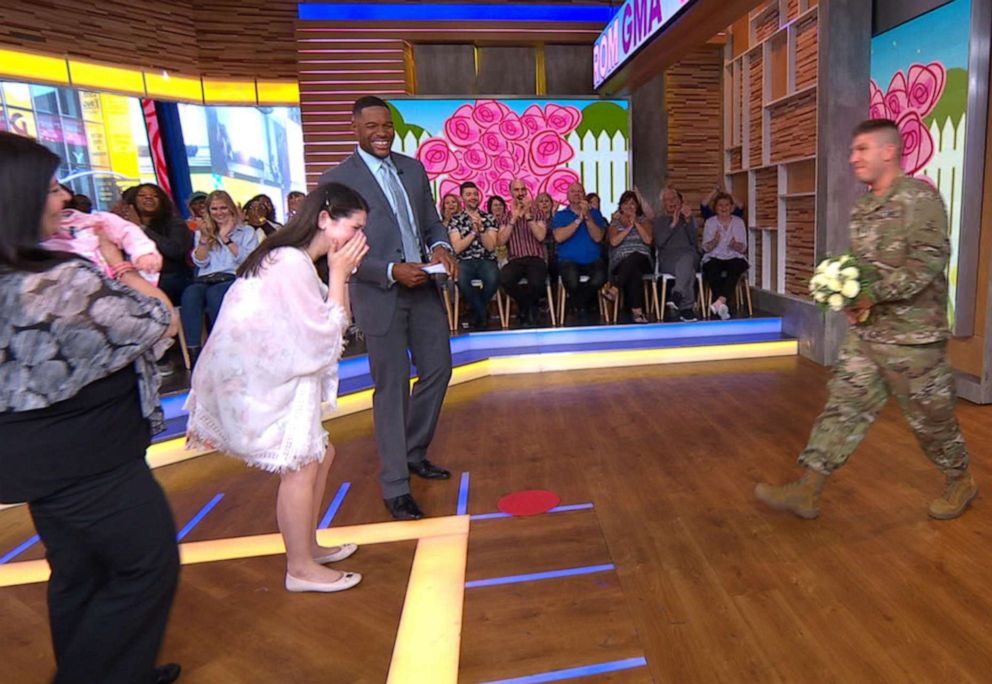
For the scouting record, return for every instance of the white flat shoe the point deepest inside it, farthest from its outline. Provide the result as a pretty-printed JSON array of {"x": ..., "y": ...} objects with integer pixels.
[
  {"x": 347, "y": 581},
  {"x": 346, "y": 551}
]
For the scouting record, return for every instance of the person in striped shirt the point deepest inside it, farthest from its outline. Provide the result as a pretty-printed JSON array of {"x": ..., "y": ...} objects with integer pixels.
[{"x": 523, "y": 231}]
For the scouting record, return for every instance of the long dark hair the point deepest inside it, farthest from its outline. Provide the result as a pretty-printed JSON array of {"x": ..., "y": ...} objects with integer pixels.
[
  {"x": 166, "y": 208},
  {"x": 630, "y": 195},
  {"x": 338, "y": 200},
  {"x": 492, "y": 200},
  {"x": 270, "y": 215},
  {"x": 26, "y": 170}
]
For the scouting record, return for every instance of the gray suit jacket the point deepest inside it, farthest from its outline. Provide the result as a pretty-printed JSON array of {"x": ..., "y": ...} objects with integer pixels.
[{"x": 373, "y": 298}]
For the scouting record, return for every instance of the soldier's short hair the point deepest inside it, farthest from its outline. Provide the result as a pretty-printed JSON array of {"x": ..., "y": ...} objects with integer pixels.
[{"x": 886, "y": 127}]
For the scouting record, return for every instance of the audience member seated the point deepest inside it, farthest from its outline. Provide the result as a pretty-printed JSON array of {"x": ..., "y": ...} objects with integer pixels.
[
  {"x": 451, "y": 205},
  {"x": 197, "y": 205},
  {"x": 706, "y": 206},
  {"x": 157, "y": 215},
  {"x": 579, "y": 230},
  {"x": 676, "y": 241},
  {"x": 523, "y": 232},
  {"x": 81, "y": 203},
  {"x": 547, "y": 208},
  {"x": 724, "y": 247},
  {"x": 220, "y": 247},
  {"x": 293, "y": 202},
  {"x": 594, "y": 201},
  {"x": 473, "y": 236},
  {"x": 260, "y": 214},
  {"x": 630, "y": 253},
  {"x": 496, "y": 206}
]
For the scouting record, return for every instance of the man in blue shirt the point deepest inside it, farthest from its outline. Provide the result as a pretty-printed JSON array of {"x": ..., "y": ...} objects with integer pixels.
[{"x": 579, "y": 230}]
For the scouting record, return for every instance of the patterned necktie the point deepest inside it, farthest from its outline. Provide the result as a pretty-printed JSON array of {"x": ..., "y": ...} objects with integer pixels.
[{"x": 411, "y": 243}]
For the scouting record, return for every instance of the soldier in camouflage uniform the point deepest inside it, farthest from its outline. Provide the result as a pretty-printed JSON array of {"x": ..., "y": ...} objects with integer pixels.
[{"x": 899, "y": 230}]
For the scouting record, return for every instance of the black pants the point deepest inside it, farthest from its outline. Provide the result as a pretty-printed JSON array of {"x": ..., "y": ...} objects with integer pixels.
[
  {"x": 534, "y": 270},
  {"x": 628, "y": 276},
  {"x": 111, "y": 543},
  {"x": 583, "y": 294},
  {"x": 722, "y": 276},
  {"x": 173, "y": 285}
]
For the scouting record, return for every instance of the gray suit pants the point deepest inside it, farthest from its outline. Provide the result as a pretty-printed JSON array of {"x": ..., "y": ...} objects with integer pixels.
[{"x": 405, "y": 422}]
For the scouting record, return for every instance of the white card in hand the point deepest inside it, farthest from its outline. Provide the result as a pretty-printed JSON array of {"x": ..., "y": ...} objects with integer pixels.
[{"x": 434, "y": 269}]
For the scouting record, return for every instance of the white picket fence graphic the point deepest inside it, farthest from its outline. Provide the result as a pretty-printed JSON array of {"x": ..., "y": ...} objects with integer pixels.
[
  {"x": 602, "y": 162},
  {"x": 945, "y": 170}
]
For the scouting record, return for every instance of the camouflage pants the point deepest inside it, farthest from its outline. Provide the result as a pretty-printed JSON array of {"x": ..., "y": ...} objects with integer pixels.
[{"x": 866, "y": 374}]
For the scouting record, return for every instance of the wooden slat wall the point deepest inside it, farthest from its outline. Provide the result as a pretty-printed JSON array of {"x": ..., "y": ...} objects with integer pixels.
[
  {"x": 246, "y": 38},
  {"x": 785, "y": 214},
  {"x": 793, "y": 128},
  {"x": 334, "y": 70},
  {"x": 755, "y": 65},
  {"x": 160, "y": 35},
  {"x": 792, "y": 9},
  {"x": 806, "y": 52},
  {"x": 766, "y": 199},
  {"x": 800, "y": 227},
  {"x": 767, "y": 26},
  {"x": 693, "y": 100}
]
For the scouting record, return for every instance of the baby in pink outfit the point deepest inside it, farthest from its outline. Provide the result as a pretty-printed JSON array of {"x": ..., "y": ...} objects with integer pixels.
[{"x": 79, "y": 233}]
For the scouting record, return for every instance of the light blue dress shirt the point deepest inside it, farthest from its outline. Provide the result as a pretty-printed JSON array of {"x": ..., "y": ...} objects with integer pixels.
[
  {"x": 375, "y": 163},
  {"x": 219, "y": 258}
]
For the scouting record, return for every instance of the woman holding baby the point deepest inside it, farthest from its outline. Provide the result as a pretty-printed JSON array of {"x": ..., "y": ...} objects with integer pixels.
[{"x": 78, "y": 405}]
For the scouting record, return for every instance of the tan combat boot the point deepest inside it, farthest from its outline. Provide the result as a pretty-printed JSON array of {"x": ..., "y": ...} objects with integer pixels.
[
  {"x": 800, "y": 497},
  {"x": 959, "y": 491}
]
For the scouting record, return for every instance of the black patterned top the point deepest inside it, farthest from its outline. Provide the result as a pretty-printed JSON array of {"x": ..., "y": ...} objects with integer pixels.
[
  {"x": 69, "y": 326},
  {"x": 462, "y": 222}
]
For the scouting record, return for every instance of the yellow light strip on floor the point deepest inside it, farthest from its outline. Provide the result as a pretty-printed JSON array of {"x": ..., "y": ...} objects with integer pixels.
[
  {"x": 429, "y": 638},
  {"x": 27, "y": 66},
  {"x": 191, "y": 553},
  {"x": 101, "y": 77},
  {"x": 543, "y": 363}
]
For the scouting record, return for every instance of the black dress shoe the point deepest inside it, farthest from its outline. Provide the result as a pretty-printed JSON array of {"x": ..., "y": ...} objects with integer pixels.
[
  {"x": 168, "y": 673},
  {"x": 403, "y": 507},
  {"x": 429, "y": 471}
]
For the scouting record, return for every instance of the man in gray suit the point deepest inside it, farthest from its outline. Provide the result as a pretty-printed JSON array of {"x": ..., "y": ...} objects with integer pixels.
[{"x": 396, "y": 304}]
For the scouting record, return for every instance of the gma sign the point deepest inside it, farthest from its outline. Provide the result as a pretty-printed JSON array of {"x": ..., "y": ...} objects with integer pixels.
[{"x": 633, "y": 25}]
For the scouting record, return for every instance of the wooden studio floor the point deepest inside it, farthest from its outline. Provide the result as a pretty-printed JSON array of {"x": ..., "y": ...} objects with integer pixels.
[{"x": 707, "y": 586}]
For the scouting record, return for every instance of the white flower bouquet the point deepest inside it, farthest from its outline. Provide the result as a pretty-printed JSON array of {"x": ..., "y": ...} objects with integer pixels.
[{"x": 837, "y": 282}]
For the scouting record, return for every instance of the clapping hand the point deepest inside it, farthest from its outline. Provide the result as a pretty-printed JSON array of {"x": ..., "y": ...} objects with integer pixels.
[
  {"x": 584, "y": 210},
  {"x": 343, "y": 260}
]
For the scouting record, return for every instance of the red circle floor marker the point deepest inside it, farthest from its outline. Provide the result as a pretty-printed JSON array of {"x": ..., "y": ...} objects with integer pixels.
[{"x": 528, "y": 502}]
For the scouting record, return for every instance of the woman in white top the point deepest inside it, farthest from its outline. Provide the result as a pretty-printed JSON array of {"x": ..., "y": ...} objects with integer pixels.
[
  {"x": 271, "y": 362},
  {"x": 724, "y": 247}
]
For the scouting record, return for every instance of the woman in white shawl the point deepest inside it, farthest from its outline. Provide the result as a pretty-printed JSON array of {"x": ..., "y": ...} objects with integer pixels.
[{"x": 270, "y": 363}]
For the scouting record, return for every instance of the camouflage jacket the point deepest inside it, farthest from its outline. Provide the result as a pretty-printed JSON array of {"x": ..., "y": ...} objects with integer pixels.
[{"x": 903, "y": 235}]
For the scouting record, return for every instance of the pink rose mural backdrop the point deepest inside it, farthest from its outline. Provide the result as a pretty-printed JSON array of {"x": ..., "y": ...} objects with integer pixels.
[
  {"x": 919, "y": 79},
  {"x": 549, "y": 144}
]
